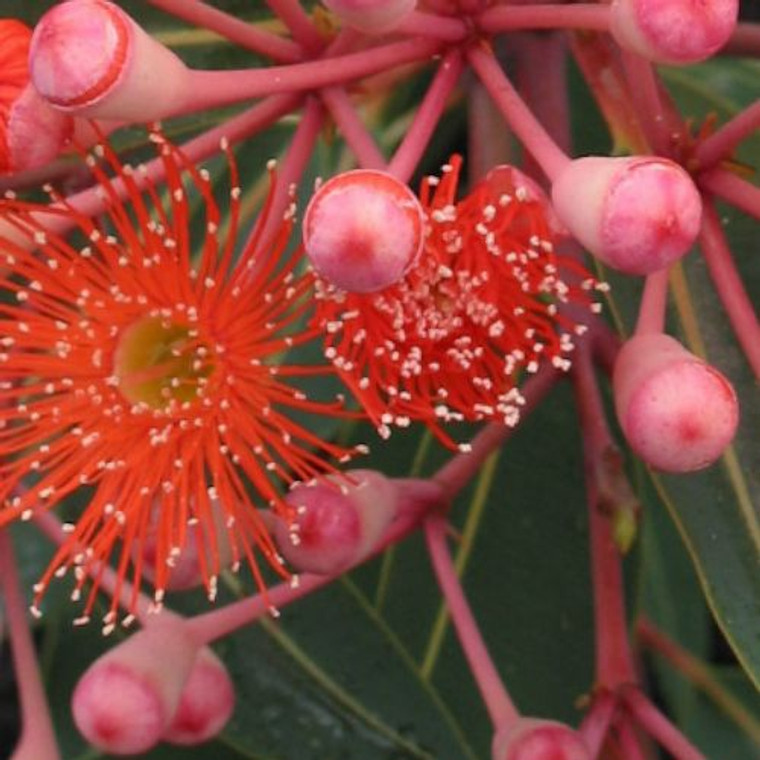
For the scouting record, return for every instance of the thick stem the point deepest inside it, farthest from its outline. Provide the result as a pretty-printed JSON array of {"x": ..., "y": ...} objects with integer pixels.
[
  {"x": 728, "y": 283},
  {"x": 722, "y": 142},
  {"x": 445, "y": 28},
  {"x": 630, "y": 743},
  {"x": 232, "y": 28},
  {"x": 737, "y": 191},
  {"x": 653, "y": 304},
  {"x": 519, "y": 117},
  {"x": 500, "y": 707},
  {"x": 464, "y": 466},
  {"x": 659, "y": 727},
  {"x": 37, "y": 740},
  {"x": 292, "y": 14},
  {"x": 429, "y": 112},
  {"x": 614, "y": 660},
  {"x": 358, "y": 137},
  {"x": 510, "y": 17},
  {"x": 597, "y": 721}
]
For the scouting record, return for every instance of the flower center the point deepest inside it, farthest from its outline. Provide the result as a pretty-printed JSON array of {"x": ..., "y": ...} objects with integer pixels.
[{"x": 159, "y": 362}]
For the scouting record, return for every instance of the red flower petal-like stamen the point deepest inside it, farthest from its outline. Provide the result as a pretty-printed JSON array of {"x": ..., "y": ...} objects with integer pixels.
[
  {"x": 482, "y": 306},
  {"x": 14, "y": 76},
  {"x": 151, "y": 376}
]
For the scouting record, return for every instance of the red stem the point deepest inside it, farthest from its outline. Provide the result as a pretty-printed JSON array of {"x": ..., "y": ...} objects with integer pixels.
[
  {"x": 510, "y": 17},
  {"x": 653, "y": 304},
  {"x": 298, "y": 22},
  {"x": 500, "y": 707},
  {"x": 446, "y": 28},
  {"x": 519, "y": 117},
  {"x": 234, "y": 29},
  {"x": 597, "y": 721},
  {"x": 737, "y": 191},
  {"x": 37, "y": 740},
  {"x": 722, "y": 142}
]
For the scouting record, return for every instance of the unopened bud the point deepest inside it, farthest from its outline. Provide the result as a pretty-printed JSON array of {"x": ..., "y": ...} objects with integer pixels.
[
  {"x": 336, "y": 523},
  {"x": 677, "y": 412},
  {"x": 673, "y": 31},
  {"x": 534, "y": 739},
  {"x": 206, "y": 703},
  {"x": 371, "y": 16},
  {"x": 90, "y": 58},
  {"x": 363, "y": 230},
  {"x": 127, "y": 698},
  {"x": 637, "y": 214}
]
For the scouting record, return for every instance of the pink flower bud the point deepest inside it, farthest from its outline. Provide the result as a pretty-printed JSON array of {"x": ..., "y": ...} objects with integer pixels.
[
  {"x": 31, "y": 132},
  {"x": 336, "y": 523},
  {"x": 127, "y": 698},
  {"x": 371, "y": 16},
  {"x": 206, "y": 704},
  {"x": 673, "y": 31},
  {"x": 677, "y": 412},
  {"x": 636, "y": 214},
  {"x": 363, "y": 230},
  {"x": 90, "y": 58},
  {"x": 534, "y": 739}
]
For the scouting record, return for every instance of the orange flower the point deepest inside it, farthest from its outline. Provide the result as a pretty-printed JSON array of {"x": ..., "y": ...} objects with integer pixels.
[
  {"x": 149, "y": 380},
  {"x": 483, "y": 305}
]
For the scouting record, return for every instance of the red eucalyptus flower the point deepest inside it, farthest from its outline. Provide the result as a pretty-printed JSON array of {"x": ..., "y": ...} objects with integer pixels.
[
  {"x": 482, "y": 305},
  {"x": 150, "y": 377}
]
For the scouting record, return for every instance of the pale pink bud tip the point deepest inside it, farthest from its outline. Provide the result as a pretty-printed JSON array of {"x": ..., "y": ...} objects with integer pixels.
[
  {"x": 90, "y": 58},
  {"x": 206, "y": 704},
  {"x": 363, "y": 230},
  {"x": 533, "y": 739},
  {"x": 126, "y": 699},
  {"x": 673, "y": 31},
  {"x": 678, "y": 413},
  {"x": 336, "y": 523},
  {"x": 372, "y": 16},
  {"x": 636, "y": 214}
]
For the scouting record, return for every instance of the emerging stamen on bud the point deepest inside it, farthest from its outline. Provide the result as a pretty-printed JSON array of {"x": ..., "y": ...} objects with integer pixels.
[
  {"x": 637, "y": 214},
  {"x": 206, "y": 704},
  {"x": 372, "y": 16},
  {"x": 89, "y": 57},
  {"x": 31, "y": 133},
  {"x": 336, "y": 522},
  {"x": 678, "y": 413},
  {"x": 535, "y": 739},
  {"x": 673, "y": 31},
  {"x": 363, "y": 230},
  {"x": 127, "y": 698}
]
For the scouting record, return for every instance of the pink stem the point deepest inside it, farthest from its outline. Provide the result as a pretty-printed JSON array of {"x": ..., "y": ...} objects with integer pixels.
[
  {"x": 498, "y": 702},
  {"x": 422, "y": 499},
  {"x": 37, "y": 740},
  {"x": 234, "y": 29},
  {"x": 745, "y": 40},
  {"x": 722, "y": 142},
  {"x": 630, "y": 743},
  {"x": 430, "y": 110},
  {"x": 741, "y": 313},
  {"x": 737, "y": 191},
  {"x": 653, "y": 304},
  {"x": 659, "y": 727},
  {"x": 298, "y": 22},
  {"x": 614, "y": 660},
  {"x": 211, "y": 89},
  {"x": 464, "y": 466},
  {"x": 597, "y": 721},
  {"x": 358, "y": 137},
  {"x": 519, "y": 117},
  {"x": 425, "y": 24},
  {"x": 509, "y": 17},
  {"x": 647, "y": 101}
]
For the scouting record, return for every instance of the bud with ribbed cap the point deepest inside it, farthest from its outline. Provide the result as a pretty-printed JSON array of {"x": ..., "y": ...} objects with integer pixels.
[
  {"x": 90, "y": 58},
  {"x": 677, "y": 412},
  {"x": 206, "y": 703},
  {"x": 127, "y": 698},
  {"x": 363, "y": 230},
  {"x": 536, "y": 739},
  {"x": 337, "y": 522},
  {"x": 637, "y": 214},
  {"x": 673, "y": 31},
  {"x": 372, "y": 16}
]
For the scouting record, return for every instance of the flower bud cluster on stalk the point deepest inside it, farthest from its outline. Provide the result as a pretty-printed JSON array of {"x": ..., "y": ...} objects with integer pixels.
[{"x": 164, "y": 352}]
